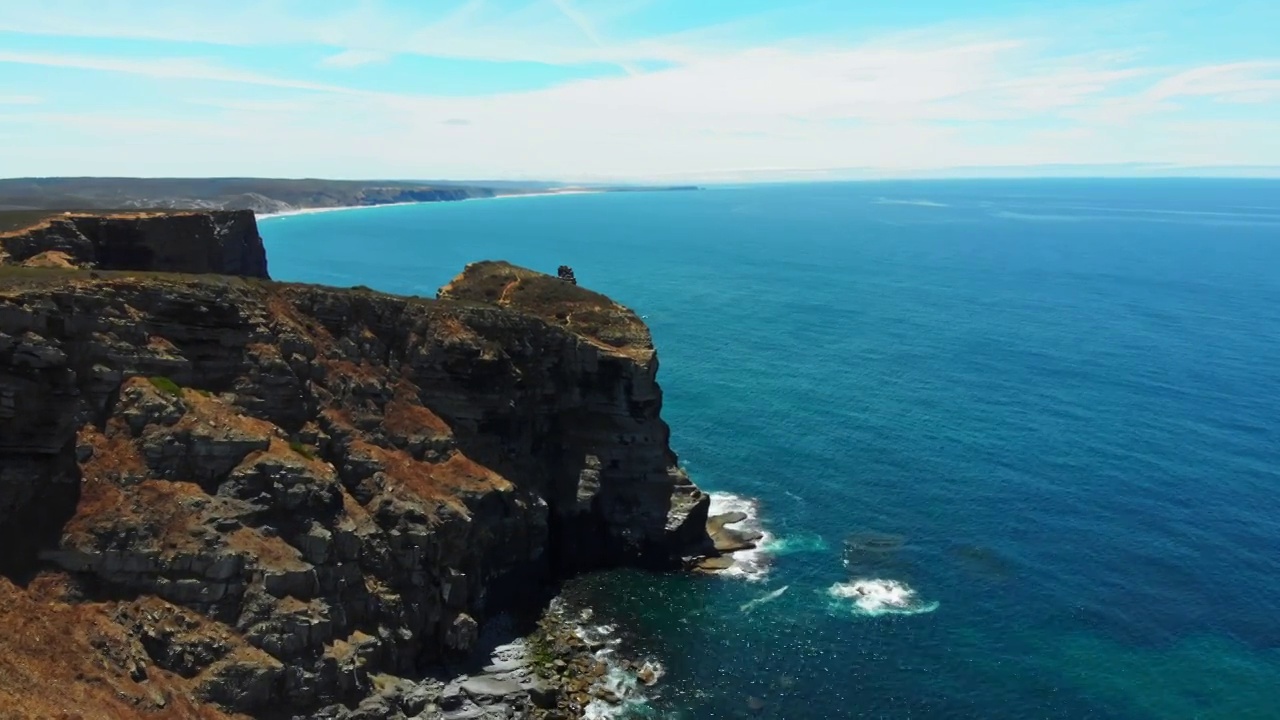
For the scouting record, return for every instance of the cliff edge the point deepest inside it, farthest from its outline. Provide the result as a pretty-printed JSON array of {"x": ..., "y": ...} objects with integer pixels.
[
  {"x": 225, "y": 495},
  {"x": 222, "y": 242}
]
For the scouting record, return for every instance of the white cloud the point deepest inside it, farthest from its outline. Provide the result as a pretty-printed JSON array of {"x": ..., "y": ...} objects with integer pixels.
[
  {"x": 589, "y": 30},
  {"x": 164, "y": 69},
  {"x": 719, "y": 109},
  {"x": 355, "y": 58},
  {"x": 541, "y": 31},
  {"x": 20, "y": 99},
  {"x": 1259, "y": 81}
]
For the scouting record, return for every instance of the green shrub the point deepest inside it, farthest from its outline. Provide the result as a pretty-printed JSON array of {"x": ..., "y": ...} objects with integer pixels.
[
  {"x": 303, "y": 450},
  {"x": 166, "y": 386}
]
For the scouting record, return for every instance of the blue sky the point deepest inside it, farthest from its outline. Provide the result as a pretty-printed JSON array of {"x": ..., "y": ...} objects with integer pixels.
[{"x": 658, "y": 90}]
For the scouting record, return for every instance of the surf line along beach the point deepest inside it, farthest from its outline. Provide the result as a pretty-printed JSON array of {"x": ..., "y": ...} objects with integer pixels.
[{"x": 340, "y": 208}]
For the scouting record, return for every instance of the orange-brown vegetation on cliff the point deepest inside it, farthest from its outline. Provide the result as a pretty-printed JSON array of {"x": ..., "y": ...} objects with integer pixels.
[
  {"x": 66, "y": 659},
  {"x": 406, "y": 414},
  {"x": 295, "y": 474},
  {"x": 582, "y": 311}
]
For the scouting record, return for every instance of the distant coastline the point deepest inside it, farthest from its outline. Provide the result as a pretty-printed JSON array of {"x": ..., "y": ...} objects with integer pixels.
[
  {"x": 312, "y": 211},
  {"x": 498, "y": 196},
  {"x": 334, "y": 208},
  {"x": 27, "y": 200}
]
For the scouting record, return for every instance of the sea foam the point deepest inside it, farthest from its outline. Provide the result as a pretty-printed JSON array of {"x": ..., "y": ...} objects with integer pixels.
[
  {"x": 627, "y": 682},
  {"x": 749, "y": 605},
  {"x": 873, "y": 597},
  {"x": 753, "y": 564}
]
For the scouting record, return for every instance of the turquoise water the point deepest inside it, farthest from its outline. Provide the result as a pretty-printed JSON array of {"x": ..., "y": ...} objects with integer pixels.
[{"x": 1062, "y": 397}]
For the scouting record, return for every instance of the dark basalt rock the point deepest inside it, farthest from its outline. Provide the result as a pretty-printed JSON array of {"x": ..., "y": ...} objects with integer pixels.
[
  {"x": 223, "y": 242},
  {"x": 308, "y": 487}
]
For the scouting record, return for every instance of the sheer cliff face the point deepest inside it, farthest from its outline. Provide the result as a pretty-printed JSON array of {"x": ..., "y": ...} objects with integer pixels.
[
  {"x": 225, "y": 243},
  {"x": 271, "y": 491}
]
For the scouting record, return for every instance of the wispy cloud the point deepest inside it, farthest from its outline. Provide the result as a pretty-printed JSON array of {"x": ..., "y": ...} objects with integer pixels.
[
  {"x": 20, "y": 99},
  {"x": 355, "y": 58},
  {"x": 723, "y": 102},
  {"x": 1249, "y": 82},
  {"x": 543, "y": 31},
  {"x": 589, "y": 31},
  {"x": 164, "y": 69}
]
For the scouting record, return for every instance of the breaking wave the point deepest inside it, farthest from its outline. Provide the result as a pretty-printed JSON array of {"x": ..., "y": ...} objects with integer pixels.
[
  {"x": 873, "y": 597},
  {"x": 624, "y": 687}
]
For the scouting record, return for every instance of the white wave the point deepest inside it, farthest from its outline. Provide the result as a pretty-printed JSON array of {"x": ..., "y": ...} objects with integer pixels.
[
  {"x": 313, "y": 211},
  {"x": 753, "y": 564},
  {"x": 873, "y": 597},
  {"x": 750, "y": 605},
  {"x": 917, "y": 203},
  {"x": 625, "y": 683},
  {"x": 338, "y": 208}
]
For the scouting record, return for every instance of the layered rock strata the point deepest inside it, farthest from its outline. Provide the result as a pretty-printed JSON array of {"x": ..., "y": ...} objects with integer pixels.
[
  {"x": 223, "y": 242},
  {"x": 238, "y": 496}
]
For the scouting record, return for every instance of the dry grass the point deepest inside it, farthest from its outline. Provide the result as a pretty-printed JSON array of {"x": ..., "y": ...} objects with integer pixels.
[
  {"x": 209, "y": 412},
  {"x": 405, "y": 415},
  {"x": 65, "y": 660},
  {"x": 592, "y": 316},
  {"x": 50, "y": 259},
  {"x": 435, "y": 483}
]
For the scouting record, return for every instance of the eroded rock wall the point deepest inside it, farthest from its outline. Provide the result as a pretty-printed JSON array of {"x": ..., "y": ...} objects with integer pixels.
[
  {"x": 222, "y": 242},
  {"x": 336, "y": 483}
]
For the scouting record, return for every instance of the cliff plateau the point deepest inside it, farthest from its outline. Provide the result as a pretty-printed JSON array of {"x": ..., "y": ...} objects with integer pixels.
[
  {"x": 224, "y": 242},
  {"x": 224, "y": 495}
]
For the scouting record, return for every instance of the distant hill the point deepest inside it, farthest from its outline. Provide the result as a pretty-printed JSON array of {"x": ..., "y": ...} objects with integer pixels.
[{"x": 262, "y": 195}]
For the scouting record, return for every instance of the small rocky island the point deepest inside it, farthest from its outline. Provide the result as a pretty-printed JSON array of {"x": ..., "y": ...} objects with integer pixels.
[{"x": 222, "y": 496}]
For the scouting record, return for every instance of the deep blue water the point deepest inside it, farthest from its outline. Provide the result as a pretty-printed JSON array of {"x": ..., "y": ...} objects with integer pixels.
[{"x": 1063, "y": 395}]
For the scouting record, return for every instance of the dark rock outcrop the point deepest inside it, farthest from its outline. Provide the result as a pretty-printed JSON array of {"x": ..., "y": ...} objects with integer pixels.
[
  {"x": 222, "y": 242},
  {"x": 279, "y": 492}
]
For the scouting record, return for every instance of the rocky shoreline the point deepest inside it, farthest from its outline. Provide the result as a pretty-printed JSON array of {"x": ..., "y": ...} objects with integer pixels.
[
  {"x": 222, "y": 496},
  {"x": 564, "y": 669}
]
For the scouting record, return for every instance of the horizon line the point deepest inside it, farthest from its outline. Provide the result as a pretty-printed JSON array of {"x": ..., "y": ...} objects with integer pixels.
[{"x": 1262, "y": 172}]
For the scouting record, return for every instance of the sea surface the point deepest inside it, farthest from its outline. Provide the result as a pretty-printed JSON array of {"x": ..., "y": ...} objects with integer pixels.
[{"x": 1036, "y": 424}]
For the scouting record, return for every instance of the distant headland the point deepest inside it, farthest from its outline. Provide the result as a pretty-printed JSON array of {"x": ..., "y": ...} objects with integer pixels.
[{"x": 261, "y": 195}]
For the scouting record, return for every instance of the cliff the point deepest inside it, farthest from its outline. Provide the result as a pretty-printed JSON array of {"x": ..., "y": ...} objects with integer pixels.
[
  {"x": 265, "y": 496},
  {"x": 210, "y": 242}
]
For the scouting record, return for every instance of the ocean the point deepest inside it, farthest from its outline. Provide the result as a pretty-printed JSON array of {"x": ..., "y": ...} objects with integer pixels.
[{"x": 1015, "y": 443}]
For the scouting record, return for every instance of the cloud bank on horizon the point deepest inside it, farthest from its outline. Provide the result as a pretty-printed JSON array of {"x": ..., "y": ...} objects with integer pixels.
[{"x": 663, "y": 90}]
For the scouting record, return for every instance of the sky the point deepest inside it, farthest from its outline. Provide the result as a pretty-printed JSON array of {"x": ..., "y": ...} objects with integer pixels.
[{"x": 638, "y": 90}]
